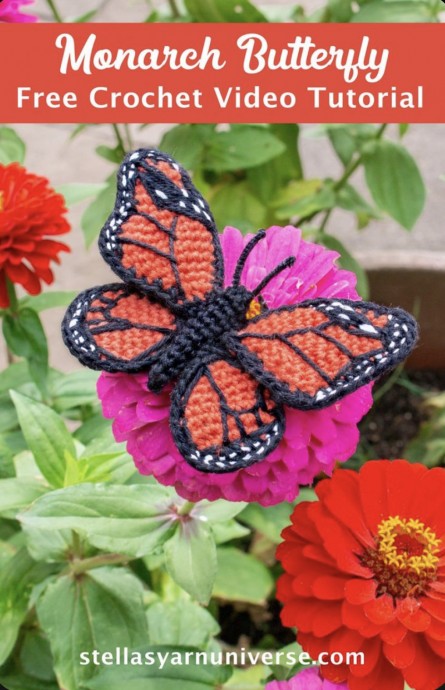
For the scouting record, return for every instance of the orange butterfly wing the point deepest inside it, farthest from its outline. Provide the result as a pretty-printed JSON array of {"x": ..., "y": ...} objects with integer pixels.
[
  {"x": 116, "y": 329},
  {"x": 222, "y": 420},
  {"x": 161, "y": 236},
  {"x": 314, "y": 353}
]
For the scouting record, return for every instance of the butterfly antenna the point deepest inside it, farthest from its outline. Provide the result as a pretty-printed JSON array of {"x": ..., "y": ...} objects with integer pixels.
[
  {"x": 244, "y": 255},
  {"x": 287, "y": 263}
]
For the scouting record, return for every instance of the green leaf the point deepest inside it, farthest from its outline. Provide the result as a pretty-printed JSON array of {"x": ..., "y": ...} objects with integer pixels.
[
  {"x": 26, "y": 338},
  {"x": 21, "y": 682},
  {"x": 114, "y": 155},
  {"x": 35, "y": 656},
  {"x": 296, "y": 190},
  {"x": 46, "y": 436},
  {"x": 180, "y": 623},
  {"x": 241, "y": 577},
  {"x": 395, "y": 182},
  {"x": 397, "y": 11},
  {"x": 340, "y": 10},
  {"x": 235, "y": 205},
  {"x": 97, "y": 213},
  {"x": 12, "y": 148},
  {"x": 190, "y": 558},
  {"x": 17, "y": 578},
  {"x": 102, "y": 610},
  {"x": 403, "y": 129},
  {"x": 49, "y": 547},
  {"x": 74, "y": 390},
  {"x": 49, "y": 300},
  {"x": 348, "y": 262},
  {"x": 186, "y": 143},
  {"x": 349, "y": 199},
  {"x": 75, "y": 192},
  {"x": 174, "y": 674},
  {"x": 240, "y": 148},
  {"x": 217, "y": 511},
  {"x": 224, "y": 11},
  {"x": 268, "y": 521},
  {"x": 343, "y": 143},
  {"x": 428, "y": 447},
  {"x": 267, "y": 180},
  {"x": 17, "y": 494},
  {"x": 132, "y": 520},
  {"x": 229, "y": 531},
  {"x": 308, "y": 206}
]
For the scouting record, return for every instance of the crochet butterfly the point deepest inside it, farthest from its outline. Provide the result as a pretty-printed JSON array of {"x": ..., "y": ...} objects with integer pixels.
[{"x": 173, "y": 319}]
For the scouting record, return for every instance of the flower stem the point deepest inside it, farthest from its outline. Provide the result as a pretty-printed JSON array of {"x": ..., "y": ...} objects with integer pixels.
[
  {"x": 129, "y": 138},
  {"x": 119, "y": 139},
  {"x": 187, "y": 508},
  {"x": 55, "y": 12},
  {"x": 174, "y": 9},
  {"x": 348, "y": 172},
  {"x": 80, "y": 566},
  {"x": 12, "y": 296}
]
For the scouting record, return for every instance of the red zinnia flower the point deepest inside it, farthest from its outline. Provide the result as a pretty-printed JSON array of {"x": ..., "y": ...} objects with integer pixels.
[
  {"x": 365, "y": 571},
  {"x": 30, "y": 211}
]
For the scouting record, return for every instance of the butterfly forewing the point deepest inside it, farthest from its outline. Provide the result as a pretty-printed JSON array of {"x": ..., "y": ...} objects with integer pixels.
[
  {"x": 222, "y": 419},
  {"x": 115, "y": 328},
  {"x": 314, "y": 353},
  {"x": 161, "y": 236}
]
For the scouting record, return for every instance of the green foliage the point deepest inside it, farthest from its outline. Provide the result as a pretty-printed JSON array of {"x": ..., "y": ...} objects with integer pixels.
[
  {"x": 394, "y": 181},
  {"x": 101, "y": 610},
  {"x": 429, "y": 445},
  {"x": 224, "y": 11},
  {"x": 12, "y": 147},
  {"x": 96, "y": 556},
  {"x": 241, "y": 577},
  {"x": 25, "y": 337}
]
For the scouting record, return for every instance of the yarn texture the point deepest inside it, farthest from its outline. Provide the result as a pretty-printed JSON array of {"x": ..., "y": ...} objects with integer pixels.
[
  {"x": 175, "y": 320},
  {"x": 312, "y": 441}
]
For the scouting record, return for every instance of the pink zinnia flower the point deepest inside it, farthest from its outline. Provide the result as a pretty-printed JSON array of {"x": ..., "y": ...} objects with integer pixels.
[
  {"x": 313, "y": 441},
  {"x": 309, "y": 679},
  {"x": 10, "y": 11}
]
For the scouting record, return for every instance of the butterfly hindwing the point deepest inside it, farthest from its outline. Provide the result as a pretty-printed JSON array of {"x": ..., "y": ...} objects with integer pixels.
[
  {"x": 115, "y": 328},
  {"x": 161, "y": 236},
  {"x": 312, "y": 354},
  {"x": 222, "y": 420}
]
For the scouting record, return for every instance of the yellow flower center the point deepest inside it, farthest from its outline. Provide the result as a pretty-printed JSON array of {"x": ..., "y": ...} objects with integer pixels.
[
  {"x": 405, "y": 558},
  {"x": 408, "y": 544},
  {"x": 254, "y": 309}
]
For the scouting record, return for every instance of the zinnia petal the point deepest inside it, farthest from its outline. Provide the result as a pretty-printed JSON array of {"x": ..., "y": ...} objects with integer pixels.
[{"x": 395, "y": 604}]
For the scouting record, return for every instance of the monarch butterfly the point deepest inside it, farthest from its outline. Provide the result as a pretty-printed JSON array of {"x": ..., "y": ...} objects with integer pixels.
[{"x": 173, "y": 318}]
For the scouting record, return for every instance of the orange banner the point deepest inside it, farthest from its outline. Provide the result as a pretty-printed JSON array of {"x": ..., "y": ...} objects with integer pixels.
[{"x": 222, "y": 73}]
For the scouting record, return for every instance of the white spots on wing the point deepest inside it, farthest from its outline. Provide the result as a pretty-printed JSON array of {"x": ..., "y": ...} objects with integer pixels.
[
  {"x": 367, "y": 328},
  {"x": 251, "y": 449},
  {"x": 161, "y": 194},
  {"x": 343, "y": 306}
]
